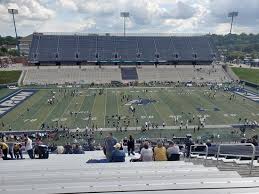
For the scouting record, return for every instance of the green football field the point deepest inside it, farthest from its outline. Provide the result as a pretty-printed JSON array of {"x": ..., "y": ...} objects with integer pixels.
[
  {"x": 101, "y": 108},
  {"x": 250, "y": 75}
]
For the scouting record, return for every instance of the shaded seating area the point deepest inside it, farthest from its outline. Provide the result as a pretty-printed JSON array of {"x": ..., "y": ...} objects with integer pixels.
[
  {"x": 129, "y": 73},
  {"x": 78, "y": 49}
]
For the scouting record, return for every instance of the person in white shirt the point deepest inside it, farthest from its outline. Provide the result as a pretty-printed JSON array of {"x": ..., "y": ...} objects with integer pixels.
[
  {"x": 28, "y": 146},
  {"x": 172, "y": 150},
  {"x": 146, "y": 154}
]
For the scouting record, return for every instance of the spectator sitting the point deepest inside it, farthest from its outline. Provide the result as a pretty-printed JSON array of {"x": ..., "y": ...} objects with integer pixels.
[
  {"x": 173, "y": 152},
  {"x": 208, "y": 143},
  {"x": 160, "y": 152},
  {"x": 60, "y": 149},
  {"x": 118, "y": 155},
  {"x": 146, "y": 154},
  {"x": 68, "y": 149},
  {"x": 78, "y": 150}
]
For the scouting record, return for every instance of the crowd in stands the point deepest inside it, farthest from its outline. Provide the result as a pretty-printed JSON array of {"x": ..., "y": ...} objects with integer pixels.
[
  {"x": 115, "y": 152},
  {"x": 150, "y": 84},
  {"x": 69, "y": 149},
  {"x": 14, "y": 147}
]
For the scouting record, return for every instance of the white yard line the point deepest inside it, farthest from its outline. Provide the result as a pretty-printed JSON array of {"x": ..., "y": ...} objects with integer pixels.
[
  {"x": 66, "y": 109},
  {"x": 118, "y": 111},
  {"x": 53, "y": 109},
  {"x": 154, "y": 105},
  {"x": 169, "y": 108},
  {"x": 10, "y": 95},
  {"x": 105, "y": 104},
  {"x": 92, "y": 110}
]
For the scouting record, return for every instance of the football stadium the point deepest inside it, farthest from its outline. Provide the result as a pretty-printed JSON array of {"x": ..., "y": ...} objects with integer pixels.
[{"x": 128, "y": 113}]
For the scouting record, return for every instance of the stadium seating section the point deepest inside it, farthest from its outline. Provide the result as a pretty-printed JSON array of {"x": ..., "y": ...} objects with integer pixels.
[
  {"x": 76, "y": 49},
  {"x": 129, "y": 73},
  {"x": 91, "y": 74},
  {"x": 57, "y": 175}
]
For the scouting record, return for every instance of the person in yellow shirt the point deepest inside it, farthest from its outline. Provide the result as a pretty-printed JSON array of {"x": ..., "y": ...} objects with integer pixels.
[
  {"x": 160, "y": 152},
  {"x": 4, "y": 147},
  {"x": 17, "y": 150}
]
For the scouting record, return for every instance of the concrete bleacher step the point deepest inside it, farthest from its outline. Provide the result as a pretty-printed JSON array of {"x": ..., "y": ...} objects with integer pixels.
[
  {"x": 241, "y": 167},
  {"x": 135, "y": 185},
  {"x": 71, "y": 174},
  {"x": 85, "y": 177},
  {"x": 35, "y": 166},
  {"x": 129, "y": 171},
  {"x": 203, "y": 191}
]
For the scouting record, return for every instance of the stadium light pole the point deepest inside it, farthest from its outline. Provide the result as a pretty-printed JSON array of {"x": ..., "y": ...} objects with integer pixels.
[
  {"x": 124, "y": 15},
  {"x": 13, "y": 12},
  {"x": 232, "y": 15}
]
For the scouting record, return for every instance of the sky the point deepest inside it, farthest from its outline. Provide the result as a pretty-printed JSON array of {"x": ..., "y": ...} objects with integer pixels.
[{"x": 146, "y": 16}]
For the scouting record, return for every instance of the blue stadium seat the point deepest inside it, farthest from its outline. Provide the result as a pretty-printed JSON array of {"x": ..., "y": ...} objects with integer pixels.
[
  {"x": 131, "y": 49},
  {"x": 129, "y": 73}
]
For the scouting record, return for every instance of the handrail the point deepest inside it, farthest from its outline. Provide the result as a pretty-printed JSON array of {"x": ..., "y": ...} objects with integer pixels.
[
  {"x": 238, "y": 155},
  {"x": 201, "y": 152}
]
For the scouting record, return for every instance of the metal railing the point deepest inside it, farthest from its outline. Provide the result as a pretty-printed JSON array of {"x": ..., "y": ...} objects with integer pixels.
[
  {"x": 238, "y": 155},
  {"x": 199, "y": 152}
]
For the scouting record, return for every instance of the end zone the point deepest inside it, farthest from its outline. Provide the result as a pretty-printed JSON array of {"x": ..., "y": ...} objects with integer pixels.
[{"x": 11, "y": 101}]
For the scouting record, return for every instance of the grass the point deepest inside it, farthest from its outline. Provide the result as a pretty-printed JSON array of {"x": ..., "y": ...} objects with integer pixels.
[
  {"x": 4, "y": 92},
  {"x": 250, "y": 75},
  {"x": 9, "y": 76},
  {"x": 169, "y": 102}
]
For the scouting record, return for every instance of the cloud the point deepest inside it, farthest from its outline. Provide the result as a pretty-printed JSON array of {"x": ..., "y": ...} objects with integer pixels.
[
  {"x": 68, "y": 26},
  {"x": 248, "y": 11},
  {"x": 143, "y": 13},
  {"x": 28, "y": 9}
]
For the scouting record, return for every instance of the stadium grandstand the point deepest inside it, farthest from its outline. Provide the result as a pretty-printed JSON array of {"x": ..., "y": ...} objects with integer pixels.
[
  {"x": 110, "y": 49},
  {"x": 107, "y": 57},
  {"x": 107, "y": 74}
]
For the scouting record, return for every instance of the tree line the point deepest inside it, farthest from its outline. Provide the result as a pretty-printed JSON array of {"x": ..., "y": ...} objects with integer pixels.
[
  {"x": 4, "y": 42},
  {"x": 234, "y": 46}
]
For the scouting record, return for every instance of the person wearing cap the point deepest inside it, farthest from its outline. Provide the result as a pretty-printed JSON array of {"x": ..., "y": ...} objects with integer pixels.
[{"x": 118, "y": 155}]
